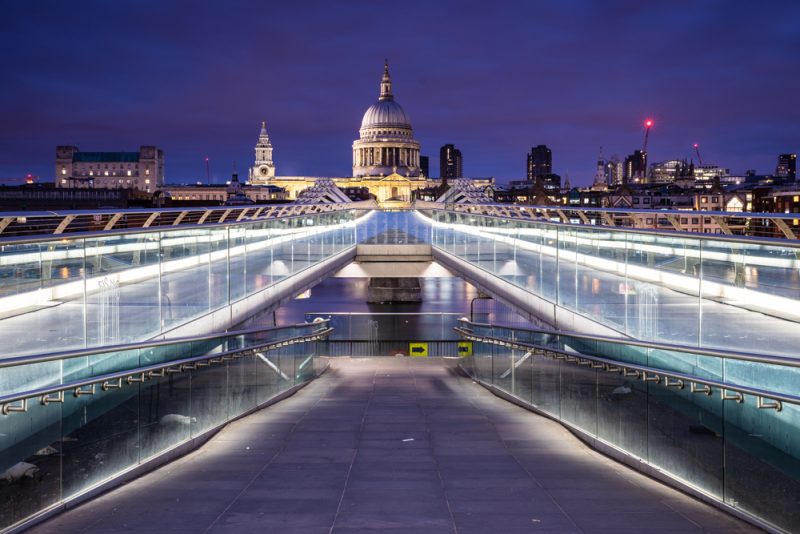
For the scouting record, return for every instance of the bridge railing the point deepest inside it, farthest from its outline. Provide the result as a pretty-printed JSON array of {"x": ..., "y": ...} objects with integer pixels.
[
  {"x": 423, "y": 334},
  {"x": 42, "y": 223},
  {"x": 730, "y": 292},
  {"x": 745, "y": 223},
  {"x": 117, "y": 286},
  {"x": 721, "y": 424},
  {"x": 92, "y": 417}
]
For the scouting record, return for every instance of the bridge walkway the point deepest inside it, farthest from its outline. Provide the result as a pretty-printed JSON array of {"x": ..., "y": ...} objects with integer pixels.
[{"x": 390, "y": 445}]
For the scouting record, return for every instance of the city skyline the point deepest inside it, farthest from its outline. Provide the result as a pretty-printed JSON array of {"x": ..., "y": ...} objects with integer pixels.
[{"x": 490, "y": 83}]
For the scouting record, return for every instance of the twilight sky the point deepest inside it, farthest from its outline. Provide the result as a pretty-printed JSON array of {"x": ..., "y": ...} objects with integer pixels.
[{"x": 494, "y": 78}]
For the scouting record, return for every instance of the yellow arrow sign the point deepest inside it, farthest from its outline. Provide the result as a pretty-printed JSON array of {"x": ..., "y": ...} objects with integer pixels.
[
  {"x": 418, "y": 349},
  {"x": 465, "y": 348}
]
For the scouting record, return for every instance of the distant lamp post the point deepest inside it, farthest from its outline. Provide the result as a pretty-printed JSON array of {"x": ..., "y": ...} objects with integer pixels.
[{"x": 208, "y": 172}]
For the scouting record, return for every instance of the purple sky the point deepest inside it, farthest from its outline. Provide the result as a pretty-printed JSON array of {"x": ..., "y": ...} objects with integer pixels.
[{"x": 494, "y": 78}]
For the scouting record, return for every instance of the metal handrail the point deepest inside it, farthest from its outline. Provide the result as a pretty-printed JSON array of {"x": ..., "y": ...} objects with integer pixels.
[
  {"x": 765, "y": 399},
  {"x": 25, "y": 239},
  {"x": 117, "y": 379},
  {"x": 341, "y": 314},
  {"x": 751, "y": 240},
  {"x": 622, "y": 211},
  {"x": 729, "y": 355},
  {"x": 65, "y": 355}
]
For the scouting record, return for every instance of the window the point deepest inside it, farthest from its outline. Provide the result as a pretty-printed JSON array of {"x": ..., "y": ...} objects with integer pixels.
[
  {"x": 646, "y": 200},
  {"x": 695, "y": 220},
  {"x": 147, "y": 172},
  {"x": 635, "y": 200},
  {"x": 704, "y": 200},
  {"x": 129, "y": 172},
  {"x": 63, "y": 171},
  {"x": 714, "y": 199}
]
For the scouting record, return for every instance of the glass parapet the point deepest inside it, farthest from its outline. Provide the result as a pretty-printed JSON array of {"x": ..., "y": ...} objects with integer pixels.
[
  {"x": 726, "y": 292},
  {"x": 99, "y": 414},
  {"x": 107, "y": 288},
  {"x": 725, "y": 424}
]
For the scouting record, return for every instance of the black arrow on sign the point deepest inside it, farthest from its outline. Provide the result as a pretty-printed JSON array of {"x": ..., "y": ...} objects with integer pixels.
[{"x": 417, "y": 349}]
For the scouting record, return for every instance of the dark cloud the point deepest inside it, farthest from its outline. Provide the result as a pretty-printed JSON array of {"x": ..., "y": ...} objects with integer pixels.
[{"x": 492, "y": 77}]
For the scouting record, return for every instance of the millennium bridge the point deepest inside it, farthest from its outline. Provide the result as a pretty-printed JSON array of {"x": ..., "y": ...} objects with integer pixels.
[{"x": 654, "y": 384}]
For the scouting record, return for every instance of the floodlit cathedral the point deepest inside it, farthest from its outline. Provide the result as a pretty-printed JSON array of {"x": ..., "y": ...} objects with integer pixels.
[
  {"x": 386, "y": 145},
  {"x": 386, "y": 157}
]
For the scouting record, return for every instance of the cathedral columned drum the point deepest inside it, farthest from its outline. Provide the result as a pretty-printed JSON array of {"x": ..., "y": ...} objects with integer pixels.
[{"x": 386, "y": 143}]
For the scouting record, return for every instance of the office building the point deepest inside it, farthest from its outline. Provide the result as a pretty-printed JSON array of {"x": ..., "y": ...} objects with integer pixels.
[
  {"x": 425, "y": 166},
  {"x": 540, "y": 162},
  {"x": 787, "y": 167},
  {"x": 636, "y": 167},
  {"x": 450, "y": 163}
]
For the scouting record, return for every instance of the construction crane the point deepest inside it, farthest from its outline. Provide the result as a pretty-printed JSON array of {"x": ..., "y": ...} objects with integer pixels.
[
  {"x": 697, "y": 150},
  {"x": 647, "y": 125}
]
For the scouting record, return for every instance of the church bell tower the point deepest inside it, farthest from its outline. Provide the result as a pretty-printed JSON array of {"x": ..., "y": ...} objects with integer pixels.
[{"x": 264, "y": 168}]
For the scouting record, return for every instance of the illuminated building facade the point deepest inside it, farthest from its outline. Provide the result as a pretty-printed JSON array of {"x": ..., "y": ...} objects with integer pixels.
[
  {"x": 386, "y": 157},
  {"x": 140, "y": 171}
]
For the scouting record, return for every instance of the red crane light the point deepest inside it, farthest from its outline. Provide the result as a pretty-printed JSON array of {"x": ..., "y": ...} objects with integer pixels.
[
  {"x": 696, "y": 147},
  {"x": 647, "y": 125}
]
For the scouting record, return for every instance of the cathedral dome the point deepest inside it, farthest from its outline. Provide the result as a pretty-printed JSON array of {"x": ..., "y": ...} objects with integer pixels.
[
  {"x": 385, "y": 113},
  {"x": 386, "y": 143}
]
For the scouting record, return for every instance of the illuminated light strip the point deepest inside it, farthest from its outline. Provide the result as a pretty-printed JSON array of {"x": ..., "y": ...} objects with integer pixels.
[
  {"x": 76, "y": 287},
  {"x": 735, "y": 296},
  {"x": 644, "y": 244}
]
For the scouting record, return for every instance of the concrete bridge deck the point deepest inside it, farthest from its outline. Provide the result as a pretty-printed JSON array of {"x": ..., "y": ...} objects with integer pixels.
[{"x": 391, "y": 445}]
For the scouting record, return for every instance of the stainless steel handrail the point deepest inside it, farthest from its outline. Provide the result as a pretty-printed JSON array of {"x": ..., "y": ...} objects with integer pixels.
[
  {"x": 645, "y": 373},
  {"x": 140, "y": 374},
  {"x": 623, "y": 211},
  {"x": 730, "y": 355},
  {"x": 751, "y": 240},
  {"x": 54, "y": 356},
  {"x": 74, "y": 236},
  {"x": 342, "y": 314}
]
